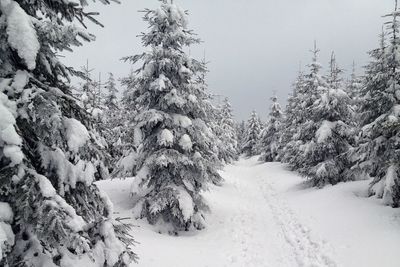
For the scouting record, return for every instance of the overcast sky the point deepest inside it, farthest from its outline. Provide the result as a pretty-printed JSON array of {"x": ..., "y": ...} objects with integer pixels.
[{"x": 254, "y": 46}]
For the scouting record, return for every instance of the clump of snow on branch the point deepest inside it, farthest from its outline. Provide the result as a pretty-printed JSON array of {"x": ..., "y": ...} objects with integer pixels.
[
  {"x": 166, "y": 137},
  {"x": 76, "y": 133},
  {"x": 21, "y": 33},
  {"x": 185, "y": 142},
  {"x": 325, "y": 131},
  {"x": 185, "y": 203},
  {"x": 6, "y": 234},
  {"x": 9, "y": 139}
]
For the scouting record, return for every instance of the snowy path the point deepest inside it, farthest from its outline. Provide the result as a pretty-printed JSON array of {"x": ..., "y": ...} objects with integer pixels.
[
  {"x": 262, "y": 217},
  {"x": 270, "y": 223}
]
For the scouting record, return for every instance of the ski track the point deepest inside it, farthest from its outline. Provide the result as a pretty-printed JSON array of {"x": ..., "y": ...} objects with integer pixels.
[{"x": 300, "y": 247}]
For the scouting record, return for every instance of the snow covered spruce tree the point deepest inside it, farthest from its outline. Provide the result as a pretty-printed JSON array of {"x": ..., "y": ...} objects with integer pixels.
[
  {"x": 269, "y": 140},
  {"x": 240, "y": 133},
  {"x": 111, "y": 99},
  {"x": 212, "y": 120},
  {"x": 228, "y": 135},
  {"x": 252, "y": 135},
  {"x": 379, "y": 146},
  {"x": 113, "y": 119},
  {"x": 89, "y": 93},
  {"x": 325, "y": 158},
  {"x": 51, "y": 213},
  {"x": 353, "y": 88},
  {"x": 173, "y": 164},
  {"x": 128, "y": 140},
  {"x": 308, "y": 92},
  {"x": 289, "y": 141}
]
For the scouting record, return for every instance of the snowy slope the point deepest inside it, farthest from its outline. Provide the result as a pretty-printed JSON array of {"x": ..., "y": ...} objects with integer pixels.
[{"x": 263, "y": 217}]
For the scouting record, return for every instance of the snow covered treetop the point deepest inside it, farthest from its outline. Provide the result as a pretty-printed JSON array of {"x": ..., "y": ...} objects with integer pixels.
[{"x": 168, "y": 26}]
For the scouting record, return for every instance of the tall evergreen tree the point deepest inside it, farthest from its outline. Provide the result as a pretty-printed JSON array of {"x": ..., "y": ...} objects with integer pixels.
[
  {"x": 252, "y": 135},
  {"x": 228, "y": 135},
  {"x": 111, "y": 100},
  {"x": 113, "y": 122},
  {"x": 289, "y": 141},
  {"x": 49, "y": 154},
  {"x": 241, "y": 133},
  {"x": 173, "y": 164},
  {"x": 270, "y": 136},
  {"x": 129, "y": 139},
  {"x": 325, "y": 157},
  {"x": 309, "y": 91},
  {"x": 87, "y": 92},
  {"x": 353, "y": 88},
  {"x": 379, "y": 146}
]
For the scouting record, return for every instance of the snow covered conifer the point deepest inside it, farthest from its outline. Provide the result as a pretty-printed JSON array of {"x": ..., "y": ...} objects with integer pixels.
[
  {"x": 128, "y": 138},
  {"x": 49, "y": 153},
  {"x": 113, "y": 122},
  {"x": 289, "y": 142},
  {"x": 111, "y": 97},
  {"x": 378, "y": 148},
  {"x": 228, "y": 134},
  {"x": 325, "y": 159},
  {"x": 252, "y": 135},
  {"x": 112, "y": 115},
  {"x": 173, "y": 164},
  {"x": 269, "y": 140},
  {"x": 353, "y": 89},
  {"x": 310, "y": 89},
  {"x": 240, "y": 132},
  {"x": 88, "y": 91}
]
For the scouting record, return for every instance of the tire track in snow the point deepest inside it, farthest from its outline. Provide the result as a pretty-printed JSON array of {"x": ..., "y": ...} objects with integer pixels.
[{"x": 308, "y": 251}]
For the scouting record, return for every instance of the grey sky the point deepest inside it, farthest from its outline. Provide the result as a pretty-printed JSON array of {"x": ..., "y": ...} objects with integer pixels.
[{"x": 254, "y": 46}]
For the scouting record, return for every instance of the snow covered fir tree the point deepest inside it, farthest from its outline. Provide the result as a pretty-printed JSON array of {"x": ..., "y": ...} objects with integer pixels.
[
  {"x": 252, "y": 135},
  {"x": 325, "y": 156},
  {"x": 378, "y": 148},
  {"x": 307, "y": 91},
  {"x": 270, "y": 136},
  {"x": 291, "y": 122},
  {"x": 173, "y": 163},
  {"x": 113, "y": 122},
  {"x": 51, "y": 212},
  {"x": 229, "y": 150}
]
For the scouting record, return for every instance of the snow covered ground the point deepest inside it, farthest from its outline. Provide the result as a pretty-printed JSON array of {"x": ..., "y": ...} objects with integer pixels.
[{"x": 263, "y": 216}]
